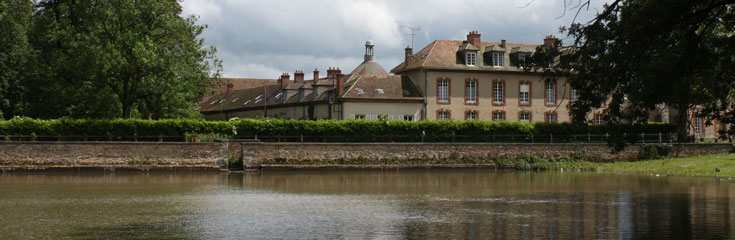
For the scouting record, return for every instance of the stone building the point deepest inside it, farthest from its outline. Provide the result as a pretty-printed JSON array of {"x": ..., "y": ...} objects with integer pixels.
[
  {"x": 368, "y": 92},
  {"x": 471, "y": 79}
]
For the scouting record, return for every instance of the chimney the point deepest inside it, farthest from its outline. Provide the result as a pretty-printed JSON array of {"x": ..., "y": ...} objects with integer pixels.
[
  {"x": 502, "y": 43},
  {"x": 333, "y": 72},
  {"x": 340, "y": 84},
  {"x": 298, "y": 77},
  {"x": 550, "y": 41},
  {"x": 316, "y": 75},
  {"x": 409, "y": 53},
  {"x": 229, "y": 87},
  {"x": 285, "y": 80},
  {"x": 474, "y": 39}
]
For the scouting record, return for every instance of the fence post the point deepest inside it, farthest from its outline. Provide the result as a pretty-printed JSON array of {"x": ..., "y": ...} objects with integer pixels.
[
  {"x": 659, "y": 138},
  {"x": 552, "y": 138},
  {"x": 302, "y": 137},
  {"x": 589, "y": 137},
  {"x": 643, "y": 138},
  {"x": 531, "y": 137}
]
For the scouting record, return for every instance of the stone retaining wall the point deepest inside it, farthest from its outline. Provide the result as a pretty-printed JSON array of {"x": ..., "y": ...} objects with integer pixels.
[
  {"x": 111, "y": 155},
  {"x": 147, "y": 155},
  {"x": 258, "y": 154}
]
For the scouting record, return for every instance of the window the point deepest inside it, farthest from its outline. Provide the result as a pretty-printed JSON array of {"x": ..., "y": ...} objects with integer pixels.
[
  {"x": 550, "y": 117},
  {"x": 598, "y": 119},
  {"x": 470, "y": 115},
  {"x": 498, "y": 116},
  {"x": 525, "y": 117},
  {"x": 471, "y": 58},
  {"x": 550, "y": 94},
  {"x": 360, "y": 116},
  {"x": 442, "y": 88},
  {"x": 408, "y": 118},
  {"x": 470, "y": 91},
  {"x": 498, "y": 59},
  {"x": 443, "y": 115},
  {"x": 525, "y": 93},
  {"x": 498, "y": 92},
  {"x": 698, "y": 127},
  {"x": 575, "y": 95}
]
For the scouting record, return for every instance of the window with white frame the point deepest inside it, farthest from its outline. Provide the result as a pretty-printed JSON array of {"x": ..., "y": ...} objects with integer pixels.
[
  {"x": 525, "y": 117},
  {"x": 443, "y": 90},
  {"x": 575, "y": 95},
  {"x": 498, "y": 59},
  {"x": 471, "y": 91},
  {"x": 408, "y": 118},
  {"x": 470, "y": 115},
  {"x": 550, "y": 117},
  {"x": 359, "y": 116},
  {"x": 525, "y": 93},
  {"x": 550, "y": 93},
  {"x": 698, "y": 126},
  {"x": 598, "y": 119},
  {"x": 498, "y": 116},
  {"x": 498, "y": 96},
  {"x": 471, "y": 58},
  {"x": 443, "y": 115}
]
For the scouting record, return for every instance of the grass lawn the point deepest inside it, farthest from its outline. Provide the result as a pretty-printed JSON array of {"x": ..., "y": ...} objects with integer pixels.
[{"x": 687, "y": 166}]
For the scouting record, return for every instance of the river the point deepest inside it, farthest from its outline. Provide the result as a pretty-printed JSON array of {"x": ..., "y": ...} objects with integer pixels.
[{"x": 432, "y": 204}]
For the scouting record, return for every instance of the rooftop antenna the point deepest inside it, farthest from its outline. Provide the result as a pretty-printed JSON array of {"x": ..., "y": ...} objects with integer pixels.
[{"x": 413, "y": 32}]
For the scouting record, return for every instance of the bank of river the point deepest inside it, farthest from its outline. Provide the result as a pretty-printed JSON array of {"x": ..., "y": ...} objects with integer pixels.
[
  {"x": 713, "y": 165},
  {"x": 393, "y": 204}
]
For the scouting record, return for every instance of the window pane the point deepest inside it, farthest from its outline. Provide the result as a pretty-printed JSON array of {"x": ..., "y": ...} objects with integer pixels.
[
  {"x": 550, "y": 93},
  {"x": 525, "y": 94},
  {"x": 470, "y": 91},
  {"x": 498, "y": 92},
  {"x": 443, "y": 86}
]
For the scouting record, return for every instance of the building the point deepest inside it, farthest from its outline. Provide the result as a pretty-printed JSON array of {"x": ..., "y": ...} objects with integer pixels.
[
  {"x": 368, "y": 92},
  {"x": 475, "y": 80}
]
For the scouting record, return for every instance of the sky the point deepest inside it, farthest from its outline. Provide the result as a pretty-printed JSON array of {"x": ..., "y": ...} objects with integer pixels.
[{"x": 264, "y": 38}]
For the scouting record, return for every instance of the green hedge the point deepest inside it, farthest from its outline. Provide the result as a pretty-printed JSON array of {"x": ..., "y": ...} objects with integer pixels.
[{"x": 323, "y": 130}]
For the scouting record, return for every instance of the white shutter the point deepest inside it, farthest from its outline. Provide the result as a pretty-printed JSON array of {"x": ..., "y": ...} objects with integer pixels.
[
  {"x": 390, "y": 117},
  {"x": 373, "y": 116},
  {"x": 400, "y": 117},
  {"x": 416, "y": 117},
  {"x": 352, "y": 116}
]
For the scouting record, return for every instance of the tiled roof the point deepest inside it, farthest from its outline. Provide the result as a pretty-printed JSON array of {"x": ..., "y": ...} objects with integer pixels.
[
  {"x": 382, "y": 87},
  {"x": 369, "y": 68},
  {"x": 237, "y": 84},
  {"x": 442, "y": 54}
]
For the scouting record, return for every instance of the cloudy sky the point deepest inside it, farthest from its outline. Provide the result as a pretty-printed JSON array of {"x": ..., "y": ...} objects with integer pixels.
[{"x": 264, "y": 38}]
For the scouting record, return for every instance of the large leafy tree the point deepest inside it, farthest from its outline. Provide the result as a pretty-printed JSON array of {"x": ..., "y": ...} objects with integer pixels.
[
  {"x": 119, "y": 58},
  {"x": 15, "y": 53},
  {"x": 639, "y": 54}
]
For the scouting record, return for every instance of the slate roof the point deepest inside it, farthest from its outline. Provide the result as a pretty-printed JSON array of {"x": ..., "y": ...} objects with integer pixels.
[{"x": 442, "y": 54}]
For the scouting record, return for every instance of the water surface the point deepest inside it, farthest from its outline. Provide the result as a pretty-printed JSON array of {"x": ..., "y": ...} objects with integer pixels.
[{"x": 435, "y": 204}]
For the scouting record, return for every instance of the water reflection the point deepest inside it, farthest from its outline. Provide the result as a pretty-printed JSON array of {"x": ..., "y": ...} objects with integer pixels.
[{"x": 373, "y": 204}]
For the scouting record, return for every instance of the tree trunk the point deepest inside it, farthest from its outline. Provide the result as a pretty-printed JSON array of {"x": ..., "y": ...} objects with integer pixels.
[
  {"x": 682, "y": 128},
  {"x": 126, "y": 110}
]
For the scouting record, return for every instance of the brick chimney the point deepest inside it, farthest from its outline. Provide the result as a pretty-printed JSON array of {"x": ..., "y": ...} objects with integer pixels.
[
  {"x": 340, "y": 84},
  {"x": 333, "y": 72},
  {"x": 298, "y": 77},
  {"x": 474, "y": 39},
  {"x": 285, "y": 80},
  {"x": 550, "y": 41},
  {"x": 409, "y": 53},
  {"x": 316, "y": 74},
  {"x": 229, "y": 87},
  {"x": 502, "y": 43}
]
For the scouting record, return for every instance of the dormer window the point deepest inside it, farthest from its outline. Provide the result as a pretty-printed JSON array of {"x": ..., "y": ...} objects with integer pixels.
[
  {"x": 471, "y": 58},
  {"x": 498, "y": 59}
]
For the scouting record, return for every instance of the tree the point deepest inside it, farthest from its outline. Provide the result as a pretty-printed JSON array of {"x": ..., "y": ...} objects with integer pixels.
[
  {"x": 119, "y": 58},
  {"x": 638, "y": 54},
  {"x": 15, "y": 22}
]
